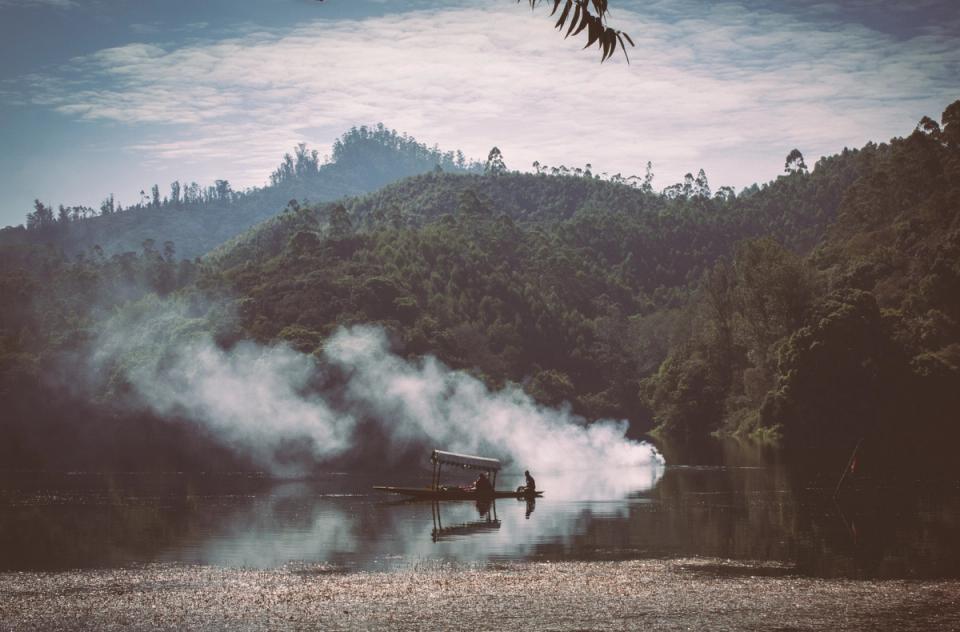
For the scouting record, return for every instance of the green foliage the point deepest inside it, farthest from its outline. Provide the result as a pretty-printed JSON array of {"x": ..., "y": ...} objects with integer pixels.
[
  {"x": 831, "y": 370},
  {"x": 339, "y": 222},
  {"x": 851, "y": 341},
  {"x": 794, "y": 162},
  {"x": 548, "y": 280},
  {"x": 824, "y": 305},
  {"x": 495, "y": 165},
  {"x": 723, "y": 369}
]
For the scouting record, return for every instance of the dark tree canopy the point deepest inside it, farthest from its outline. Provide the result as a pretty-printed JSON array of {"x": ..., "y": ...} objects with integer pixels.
[
  {"x": 495, "y": 165},
  {"x": 795, "y": 163}
]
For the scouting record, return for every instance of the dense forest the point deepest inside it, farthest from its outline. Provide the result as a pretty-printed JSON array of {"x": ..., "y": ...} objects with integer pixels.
[{"x": 820, "y": 308}]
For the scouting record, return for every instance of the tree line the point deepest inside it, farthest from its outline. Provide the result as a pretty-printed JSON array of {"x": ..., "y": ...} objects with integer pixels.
[{"x": 819, "y": 307}]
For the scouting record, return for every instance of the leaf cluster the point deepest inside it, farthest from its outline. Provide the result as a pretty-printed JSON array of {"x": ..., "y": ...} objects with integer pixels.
[{"x": 577, "y": 16}]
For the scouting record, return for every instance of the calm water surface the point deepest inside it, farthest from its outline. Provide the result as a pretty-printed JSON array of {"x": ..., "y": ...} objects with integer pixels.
[{"x": 741, "y": 507}]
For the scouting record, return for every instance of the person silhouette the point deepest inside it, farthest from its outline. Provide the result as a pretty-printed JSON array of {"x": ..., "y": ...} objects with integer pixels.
[
  {"x": 531, "y": 484},
  {"x": 483, "y": 486},
  {"x": 531, "y": 505}
]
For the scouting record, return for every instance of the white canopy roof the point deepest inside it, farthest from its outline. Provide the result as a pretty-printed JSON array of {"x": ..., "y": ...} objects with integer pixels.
[{"x": 465, "y": 460}]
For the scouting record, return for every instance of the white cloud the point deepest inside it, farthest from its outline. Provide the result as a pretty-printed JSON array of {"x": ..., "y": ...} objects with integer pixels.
[
  {"x": 59, "y": 4},
  {"x": 715, "y": 86}
]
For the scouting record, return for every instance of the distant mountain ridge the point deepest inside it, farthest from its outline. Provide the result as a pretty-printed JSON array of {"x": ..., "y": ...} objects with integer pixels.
[
  {"x": 195, "y": 220},
  {"x": 701, "y": 227}
]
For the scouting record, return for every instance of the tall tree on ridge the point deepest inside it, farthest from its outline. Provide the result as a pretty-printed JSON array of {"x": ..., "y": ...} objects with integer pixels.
[
  {"x": 795, "y": 163},
  {"x": 495, "y": 165}
]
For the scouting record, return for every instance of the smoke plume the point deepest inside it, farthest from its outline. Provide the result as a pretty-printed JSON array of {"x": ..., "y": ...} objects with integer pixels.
[{"x": 260, "y": 400}]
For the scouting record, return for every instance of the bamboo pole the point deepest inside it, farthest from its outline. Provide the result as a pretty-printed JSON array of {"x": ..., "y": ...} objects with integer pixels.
[{"x": 846, "y": 469}]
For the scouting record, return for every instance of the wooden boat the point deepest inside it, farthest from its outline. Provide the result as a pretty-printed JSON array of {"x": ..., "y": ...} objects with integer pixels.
[
  {"x": 454, "y": 493},
  {"x": 436, "y": 491}
]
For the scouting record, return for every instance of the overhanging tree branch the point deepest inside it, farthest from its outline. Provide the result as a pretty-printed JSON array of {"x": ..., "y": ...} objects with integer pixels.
[{"x": 591, "y": 16}]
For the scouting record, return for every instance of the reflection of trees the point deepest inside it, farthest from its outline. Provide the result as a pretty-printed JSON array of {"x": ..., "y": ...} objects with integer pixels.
[
  {"x": 884, "y": 532},
  {"x": 751, "y": 504},
  {"x": 755, "y": 507},
  {"x": 741, "y": 511},
  {"x": 109, "y": 520}
]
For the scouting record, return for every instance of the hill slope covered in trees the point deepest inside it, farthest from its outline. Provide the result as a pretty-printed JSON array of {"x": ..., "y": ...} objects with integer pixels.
[{"x": 821, "y": 307}]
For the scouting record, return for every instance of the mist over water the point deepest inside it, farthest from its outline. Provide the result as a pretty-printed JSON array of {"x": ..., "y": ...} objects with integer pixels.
[{"x": 261, "y": 400}]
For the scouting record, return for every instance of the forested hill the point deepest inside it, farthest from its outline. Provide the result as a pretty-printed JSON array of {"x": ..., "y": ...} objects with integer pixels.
[
  {"x": 821, "y": 307},
  {"x": 796, "y": 209},
  {"x": 824, "y": 304},
  {"x": 192, "y": 219},
  {"x": 659, "y": 242}
]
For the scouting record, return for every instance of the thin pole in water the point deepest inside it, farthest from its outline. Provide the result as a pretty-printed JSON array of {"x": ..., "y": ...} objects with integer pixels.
[{"x": 846, "y": 469}]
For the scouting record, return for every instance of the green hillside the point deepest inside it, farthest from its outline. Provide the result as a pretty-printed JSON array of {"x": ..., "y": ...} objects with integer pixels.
[
  {"x": 858, "y": 339},
  {"x": 821, "y": 307}
]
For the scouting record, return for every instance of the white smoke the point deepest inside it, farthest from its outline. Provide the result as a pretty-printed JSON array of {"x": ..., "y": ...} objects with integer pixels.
[
  {"x": 455, "y": 410},
  {"x": 255, "y": 398},
  {"x": 260, "y": 400}
]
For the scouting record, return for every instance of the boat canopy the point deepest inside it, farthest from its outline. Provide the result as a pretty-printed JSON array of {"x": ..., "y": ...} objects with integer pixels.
[{"x": 465, "y": 461}]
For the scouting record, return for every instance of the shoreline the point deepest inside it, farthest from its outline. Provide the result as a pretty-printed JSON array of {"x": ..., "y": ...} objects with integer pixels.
[{"x": 679, "y": 594}]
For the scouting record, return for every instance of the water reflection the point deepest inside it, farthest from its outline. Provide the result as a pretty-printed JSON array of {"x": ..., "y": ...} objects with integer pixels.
[
  {"x": 488, "y": 521},
  {"x": 742, "y": 505}
]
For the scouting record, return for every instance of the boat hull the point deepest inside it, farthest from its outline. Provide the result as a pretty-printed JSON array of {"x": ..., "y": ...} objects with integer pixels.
[{"x": 426, "y": 493}]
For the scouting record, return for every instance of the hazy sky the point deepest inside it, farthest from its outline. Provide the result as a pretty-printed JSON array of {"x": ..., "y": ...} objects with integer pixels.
[{"x": 101, "y": 96}]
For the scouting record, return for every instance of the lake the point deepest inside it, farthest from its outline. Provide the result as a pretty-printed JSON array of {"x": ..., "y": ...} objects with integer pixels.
[{"x": 738, "y": 503}]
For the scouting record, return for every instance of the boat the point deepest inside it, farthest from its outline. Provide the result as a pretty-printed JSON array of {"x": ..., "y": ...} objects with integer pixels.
[
  {"x": 454, "y": 493},
  {"x": 436, "y": 491}
]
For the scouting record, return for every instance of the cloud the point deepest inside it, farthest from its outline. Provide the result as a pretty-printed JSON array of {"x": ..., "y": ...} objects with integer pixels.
[
  {"x": 58, "y": 4},
  {"x": 720, "y": 86}
]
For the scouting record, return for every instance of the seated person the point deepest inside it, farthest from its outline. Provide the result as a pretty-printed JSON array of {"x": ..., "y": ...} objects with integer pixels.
[
  {"x": 482, "y": 485},
  {"x": 531, "y": 484}
]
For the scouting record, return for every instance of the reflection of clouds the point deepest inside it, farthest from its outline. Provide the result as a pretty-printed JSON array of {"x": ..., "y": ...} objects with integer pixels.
[
  {"x": 294, "y": 524},
  {"x": 288, "y": 524},
  {"x": 601, "y": 484}
]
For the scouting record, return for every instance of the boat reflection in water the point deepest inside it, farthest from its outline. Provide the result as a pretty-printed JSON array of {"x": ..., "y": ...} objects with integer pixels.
[{"x": 488, "y": 521}]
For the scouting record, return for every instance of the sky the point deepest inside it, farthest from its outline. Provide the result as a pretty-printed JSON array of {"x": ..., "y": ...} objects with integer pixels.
[{"x": 112, "y": 96}]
